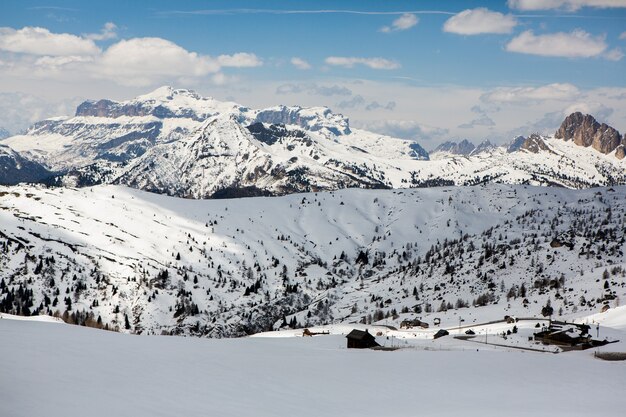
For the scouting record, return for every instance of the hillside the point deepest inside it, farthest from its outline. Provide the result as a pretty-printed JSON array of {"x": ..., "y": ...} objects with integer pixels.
[{"x": 152, "y": 264}]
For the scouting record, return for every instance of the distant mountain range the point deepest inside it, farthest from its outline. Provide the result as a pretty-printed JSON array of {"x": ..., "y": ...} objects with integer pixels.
[{"x": 178, "y": 143}]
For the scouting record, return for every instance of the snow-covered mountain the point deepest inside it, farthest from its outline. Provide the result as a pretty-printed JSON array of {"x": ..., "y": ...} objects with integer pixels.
[
  {"x": 155, "y": 264},
  {"x": 15, "y": 169},
  {"x": 179, "y": 143},
  {"x": 464, "y": 147},
  {"x": 176, "y": 142}
]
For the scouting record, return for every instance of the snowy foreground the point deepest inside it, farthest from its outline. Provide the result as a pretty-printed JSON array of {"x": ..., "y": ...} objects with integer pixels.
[{"x": 51, "y": 370}]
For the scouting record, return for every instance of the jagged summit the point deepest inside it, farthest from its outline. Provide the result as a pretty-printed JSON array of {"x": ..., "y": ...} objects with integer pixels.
[
  {"x": 483, "y": 147},
  {"x": 515, "y": 144},
  {"x": 535, "y": 144},
  {"x": 312, "y": 118},
  {"x": 464, "y": 147},
  {"x": 584, "y": 130}
]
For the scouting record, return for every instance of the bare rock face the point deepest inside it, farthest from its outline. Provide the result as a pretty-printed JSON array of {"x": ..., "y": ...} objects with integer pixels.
[
  {"x": 620, "y": 152},
  {"x": 534, "y": 143},
  {"x": 584, "y": 130}
]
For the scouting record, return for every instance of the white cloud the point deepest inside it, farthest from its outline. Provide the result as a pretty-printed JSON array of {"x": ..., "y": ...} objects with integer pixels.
[
  {"x": 314, "y": 89},
  {"x": 300, "y": 63},
  {"x": 374, "y": 63},
  {"x": 145, "y": 61},
  {"x": 374, "y": 105},
  {"x": 36, "y": 53},
  {"x": 405, "y": 129},
  {"x": 56, "y": 62},
  {"x": 575, "y": 44},
  {"x": 239, "y": 60},
  {"x": 525, "y": 95},
  {"x": 19, "y": 110},
  {"x": 404, "y": 22},
  {"x": 615, "y": 54},
  {"x": 40, "y": 41},
  {"x": 570, "y": 5},
  {"x": 479, "y": 21},
  {"x": 109, "y": 31},
  {"x": 598, "y": 110}
]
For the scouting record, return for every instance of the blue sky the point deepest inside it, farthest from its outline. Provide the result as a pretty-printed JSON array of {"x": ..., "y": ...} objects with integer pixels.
[{"x": 432, "y": 70}]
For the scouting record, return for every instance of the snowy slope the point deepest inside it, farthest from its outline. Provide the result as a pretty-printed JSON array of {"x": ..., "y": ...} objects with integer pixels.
[
  {"x": 15, "y": 169},
  {"x": 69, "y": 371},
  {"x": 233, "y": 267}
]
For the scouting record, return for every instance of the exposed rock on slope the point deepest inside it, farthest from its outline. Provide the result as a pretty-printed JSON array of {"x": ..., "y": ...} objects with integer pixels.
[
  {"x": 584, "y": 130},
  {"x": 258, "y": 160},
  {"x": 515, "y": 144},
  {"x": 463, "y": 147},
  {"x": 534, "y": 144}
]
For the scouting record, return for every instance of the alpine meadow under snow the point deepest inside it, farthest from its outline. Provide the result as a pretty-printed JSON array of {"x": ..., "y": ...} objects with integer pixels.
[{"x": 370, "y": 209}]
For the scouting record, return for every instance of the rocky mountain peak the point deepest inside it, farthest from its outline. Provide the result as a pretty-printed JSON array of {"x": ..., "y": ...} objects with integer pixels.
[
  {"x": 484, "y": 146},
  {"x": 464, "y": 147},
  {"x": 515, "y": 144},
  {"x": 586, "y": 131},
  {"x": 534, "y": 144},
  {"x": 164, "y": 102},
  {"x": 315, "y": 119}
]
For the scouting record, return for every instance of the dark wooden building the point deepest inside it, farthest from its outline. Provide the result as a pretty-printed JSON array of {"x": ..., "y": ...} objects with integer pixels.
[{"x": 359, "y": 339}]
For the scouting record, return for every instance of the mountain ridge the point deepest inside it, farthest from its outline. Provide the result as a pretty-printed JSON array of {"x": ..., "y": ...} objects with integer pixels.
[{"x": 281, "y": 150}]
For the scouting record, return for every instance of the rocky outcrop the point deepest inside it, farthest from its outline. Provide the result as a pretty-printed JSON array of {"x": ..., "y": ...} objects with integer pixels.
[
  {"x": 620, "y": 152},
  {"x": 515, "y": 144},
  {"x": 534, "y": 144},
  {"x": 417, "y": 152},
  {"x": 484, "y": 147},
  {"x": 464, "y": 147},
  {"x": 313, "y": 119},
  {"x": 584, "y": 130},
  {"x": 112, "y": 109}
]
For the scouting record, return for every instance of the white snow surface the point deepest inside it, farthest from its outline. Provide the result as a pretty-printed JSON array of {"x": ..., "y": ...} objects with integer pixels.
[{"x": 67, "y": 371}]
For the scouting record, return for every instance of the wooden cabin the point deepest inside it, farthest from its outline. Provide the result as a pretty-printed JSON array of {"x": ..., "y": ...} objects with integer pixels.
[{"x": 359, "y": 339}]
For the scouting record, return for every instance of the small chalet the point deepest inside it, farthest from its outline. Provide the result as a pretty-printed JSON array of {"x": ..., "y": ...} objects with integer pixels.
[{"x": 359, "y": 339}]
